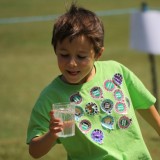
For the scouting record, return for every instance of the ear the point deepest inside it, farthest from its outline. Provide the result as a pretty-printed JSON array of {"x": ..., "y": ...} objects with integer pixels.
[{"x": 97, "y": 56}]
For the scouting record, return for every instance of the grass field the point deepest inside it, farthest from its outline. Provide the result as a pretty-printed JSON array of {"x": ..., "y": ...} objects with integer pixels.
[{"x": 27, "y": 64}]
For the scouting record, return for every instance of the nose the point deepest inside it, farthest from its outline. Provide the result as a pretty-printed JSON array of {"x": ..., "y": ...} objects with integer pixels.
[{"x": 72, "y": 62}]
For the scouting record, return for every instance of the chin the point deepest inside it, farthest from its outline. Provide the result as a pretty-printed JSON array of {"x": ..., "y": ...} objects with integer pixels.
[{"x": 74, "y": 82}]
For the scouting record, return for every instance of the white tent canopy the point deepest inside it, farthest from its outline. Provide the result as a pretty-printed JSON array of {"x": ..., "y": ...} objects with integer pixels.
[{"x": 145, "y": 31}]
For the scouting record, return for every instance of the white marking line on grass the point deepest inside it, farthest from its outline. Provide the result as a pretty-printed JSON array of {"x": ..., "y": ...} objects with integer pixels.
[
  {"x": 27, "y": 19},
  {"x": 53, "y": 17}
]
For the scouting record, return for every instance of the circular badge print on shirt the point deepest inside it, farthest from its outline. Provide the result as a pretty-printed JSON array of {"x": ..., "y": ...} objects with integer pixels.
[
  {"x": 109, "y": 85},
  {"x": 117, "y": 79},
  {"x": 91, "y": 108},
  {"x": 76, "y": 98},
  {"x": 118, "y": 95},
  {"x": 107, "y": 122},
  {"x": 128, "y": 102},
  {"x": 107, "y": 106},
  {"x": 78, "y": 113},
  {"x": 124, "y": 122},
  {"x": 97, "y": 136},
  {"x": 120, "y": 108},
  {"x": 96, "y": 92},
  {"x": 85, "y": 126}
]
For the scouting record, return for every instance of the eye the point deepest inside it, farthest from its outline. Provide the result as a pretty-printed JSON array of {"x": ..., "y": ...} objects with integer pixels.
[
  {"x": 81, "y": 57},
  {"x": 64, "y": 55}
]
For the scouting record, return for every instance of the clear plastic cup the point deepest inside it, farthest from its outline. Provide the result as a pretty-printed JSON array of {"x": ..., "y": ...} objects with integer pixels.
[{"x": 66, "y": 112}]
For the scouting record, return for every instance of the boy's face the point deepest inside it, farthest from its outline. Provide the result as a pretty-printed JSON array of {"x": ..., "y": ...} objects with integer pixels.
[{"x": 76, "y": 60}]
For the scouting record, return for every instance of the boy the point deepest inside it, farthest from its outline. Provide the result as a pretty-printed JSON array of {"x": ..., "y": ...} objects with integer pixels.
[{"x": 106, "y": 94}]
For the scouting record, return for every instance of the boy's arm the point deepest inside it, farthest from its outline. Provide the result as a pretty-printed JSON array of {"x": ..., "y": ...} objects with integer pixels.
[
  {"x": 39, "y": 146},
  {"x": 152, "y": 117}
]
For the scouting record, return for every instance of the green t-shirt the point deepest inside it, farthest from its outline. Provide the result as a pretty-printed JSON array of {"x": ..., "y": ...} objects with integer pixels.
[{"x": 106, "y": 125}]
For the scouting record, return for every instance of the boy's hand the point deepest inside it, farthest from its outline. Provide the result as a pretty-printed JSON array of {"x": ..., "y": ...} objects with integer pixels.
[{"x": 55, "y": 124}]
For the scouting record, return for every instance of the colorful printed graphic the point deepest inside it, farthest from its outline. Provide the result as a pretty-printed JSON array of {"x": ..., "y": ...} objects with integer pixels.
[
  {"x": 76, "y": 98},
  {"x": 97, "y": 136},
  {"x": 124, "y": 122},
  {"x": 107, "y": 122},
  {"x": 78, "y": 113},
  {"x": 118, "y": 95},
  {"x": 120, "y": 108},
  {"x": 85, "y": 126},
  {"x": 107, "y": 105},
  {"x": 128, "y": 102},
  {"x": 117, "y": 79},
  {"x": 91, "y": 108},
  {"x": 96, "y": 92},
  {"x": 109, "y": 85}
]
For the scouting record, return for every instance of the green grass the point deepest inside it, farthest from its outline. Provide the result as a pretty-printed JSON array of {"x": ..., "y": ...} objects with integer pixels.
[{"x": 28, "y": 63}]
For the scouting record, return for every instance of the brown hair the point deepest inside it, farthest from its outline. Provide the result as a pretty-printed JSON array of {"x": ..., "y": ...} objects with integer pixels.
[{"x": 79, "y": 21}]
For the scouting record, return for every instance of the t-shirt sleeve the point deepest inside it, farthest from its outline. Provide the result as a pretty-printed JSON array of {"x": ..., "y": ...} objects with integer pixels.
[
  {"x": 38, "y": 124},
  {"x": 140, "y": 95},
  {"x": 39, "y": 121}
]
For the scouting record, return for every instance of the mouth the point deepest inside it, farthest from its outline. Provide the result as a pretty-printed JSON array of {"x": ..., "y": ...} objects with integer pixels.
[{"x": 73, "y": 73}]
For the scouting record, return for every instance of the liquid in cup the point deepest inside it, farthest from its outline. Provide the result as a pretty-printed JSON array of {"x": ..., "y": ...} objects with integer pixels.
[{"x": 66, "y": 112}]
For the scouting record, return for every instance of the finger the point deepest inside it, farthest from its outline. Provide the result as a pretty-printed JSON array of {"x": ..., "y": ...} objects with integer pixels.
[
  {"x": 51, "y": 113},
  {"x": 55, "y": 128},
  {"x": 56, "y": 123},
  {"x": 55, "y": 120}
]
